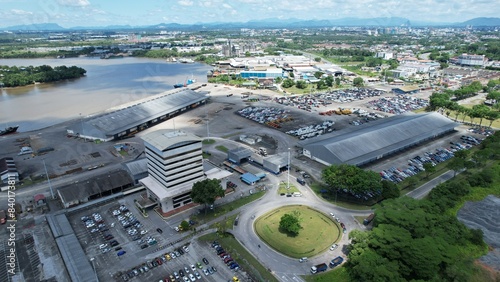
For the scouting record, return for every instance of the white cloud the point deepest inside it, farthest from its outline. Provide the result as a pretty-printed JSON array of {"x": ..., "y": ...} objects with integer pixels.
[
  {"x": 20, "y": 12},
  {"x": 75, "y": 3},
  {"x": 185, "y": 2},
  {"x": 227, "y": 6}
]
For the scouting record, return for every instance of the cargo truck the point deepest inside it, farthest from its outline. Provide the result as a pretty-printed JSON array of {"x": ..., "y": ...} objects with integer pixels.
[
  {"x": 319, "y": 268},
  {"x": 336, "y": 261}
]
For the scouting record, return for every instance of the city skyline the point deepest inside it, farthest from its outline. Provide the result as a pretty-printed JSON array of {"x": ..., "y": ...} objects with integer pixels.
[{"x": 73, "y": 13}]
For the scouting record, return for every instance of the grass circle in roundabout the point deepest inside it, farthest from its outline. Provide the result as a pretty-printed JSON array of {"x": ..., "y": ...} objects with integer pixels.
[{"x": 318, "y": 231}]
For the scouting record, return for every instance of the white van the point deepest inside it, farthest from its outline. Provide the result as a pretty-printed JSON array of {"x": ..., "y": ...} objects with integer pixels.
[{"x": 297, "y": 194}]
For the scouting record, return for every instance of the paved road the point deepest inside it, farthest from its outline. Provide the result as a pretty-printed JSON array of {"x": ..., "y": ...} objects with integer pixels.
[{"x": 423, "y": 190}]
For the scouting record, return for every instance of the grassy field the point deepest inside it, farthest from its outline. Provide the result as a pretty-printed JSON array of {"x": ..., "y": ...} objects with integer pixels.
[
  {"x": 208, "y": 141},
  {"x": 246, "y": 260},
  {"x": 282, "y": 189},
  {"x": 318, "y": 232},
  {"x": 222, "y": 148}
]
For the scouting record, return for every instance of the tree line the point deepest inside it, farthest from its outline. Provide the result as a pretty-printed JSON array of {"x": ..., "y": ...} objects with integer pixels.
[
  {"x": 20, "y": 76},
  {"x": 446, "y": 101}
]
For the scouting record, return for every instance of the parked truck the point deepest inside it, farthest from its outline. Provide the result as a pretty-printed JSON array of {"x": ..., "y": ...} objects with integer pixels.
[
  {"x": 369, "y": 219},
  {"x": 319, "y": 268},
  {"x": 336, "y": 261}
]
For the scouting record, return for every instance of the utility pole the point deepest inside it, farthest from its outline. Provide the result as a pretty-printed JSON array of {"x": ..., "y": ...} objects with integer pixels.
[
  {"x": 48, "y": 180},
  {"x": 288, "y": 176},
  {"x": 83, "y": 132}
]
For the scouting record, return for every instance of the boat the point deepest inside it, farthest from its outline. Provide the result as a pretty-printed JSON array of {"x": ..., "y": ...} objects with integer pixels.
[
  {"x": 8, "y": 130},
  {"x": 178, "y": 85}
]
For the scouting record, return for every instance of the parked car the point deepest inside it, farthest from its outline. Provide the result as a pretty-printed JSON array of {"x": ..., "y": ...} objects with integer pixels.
[
  {"x": 121, "y": 253},
  {"x": 205, "y": 261},
  {"x": 159, "y": 230}
]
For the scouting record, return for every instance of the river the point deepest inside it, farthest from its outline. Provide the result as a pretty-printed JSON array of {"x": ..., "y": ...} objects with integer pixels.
[
  {"x": 108, "y": 83},
  {"x": 484, "y": 215}
]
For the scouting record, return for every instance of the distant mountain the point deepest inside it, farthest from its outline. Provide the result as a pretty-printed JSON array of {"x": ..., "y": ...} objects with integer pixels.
[
  {"x": 267, "y": 23},
  {"x": 35, "y": 27},
  {"x": 481, "y": 22},
  {"x": 108, "y": 27}
]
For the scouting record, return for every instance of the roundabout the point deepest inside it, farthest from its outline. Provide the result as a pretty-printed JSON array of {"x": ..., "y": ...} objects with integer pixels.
[{"x": 318, "y": 231}]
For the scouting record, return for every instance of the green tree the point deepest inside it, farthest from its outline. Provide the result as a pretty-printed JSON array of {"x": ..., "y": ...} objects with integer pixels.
[
  {"x": 206, "y": 191},
  {"x": 389, "y": 190},
  {"x": 290, "y": 224},
  {"x": 429, "y": 168},
  {"x": 185, "y": 225},
  {"x": 456, "y": 164},
  {"x": 337, "y": 81},
  {"x": 480, "y": 111},
  {"x": 358, "y": 82},
  {"x": 301, "y": 84},
  {"x": 317, "y": 59},
  {"x": 351, "y": 178},
  {"x": 287, "y": 83}
]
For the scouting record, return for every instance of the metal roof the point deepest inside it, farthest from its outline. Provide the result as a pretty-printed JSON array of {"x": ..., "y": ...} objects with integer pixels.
[
  {"x": 249, "y": 177},
  {"x": 114, "y": 122},
  {"x": 360, "y": 145},
  {"x": 163, "y": 139},
  {"x": 137, "y": 167},
  {"x": 75, "y": 260},
  {"x": 83, "y": 189}
]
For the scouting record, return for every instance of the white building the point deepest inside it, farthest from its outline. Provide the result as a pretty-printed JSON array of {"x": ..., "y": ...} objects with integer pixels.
[
  {"x": 471, "y": 60},
  {"x": 175, "y": 163}
]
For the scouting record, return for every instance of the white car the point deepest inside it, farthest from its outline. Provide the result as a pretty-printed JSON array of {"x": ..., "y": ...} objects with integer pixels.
[
  {"x": 332, "y": 214},
  {"x": 333, "y": 247},
  {"x": 193, "y": 267},
  {"x": 143, "y": 232},
  {"x": 191, "y": 277},
  {"x": 102, "y": 246}
]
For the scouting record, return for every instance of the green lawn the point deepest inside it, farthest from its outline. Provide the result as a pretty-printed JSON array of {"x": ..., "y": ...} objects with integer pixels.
[
  {"x": 318, "y": 232},
  {"x": 282, "y": 188},
  {"x": 208, "y": 141},
  {"x": 222, "y": 148},
  {"x": 317, "y": 187}
]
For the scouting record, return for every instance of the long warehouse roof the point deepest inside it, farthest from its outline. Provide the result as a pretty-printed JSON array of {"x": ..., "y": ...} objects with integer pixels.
[{"x": 359, "y": 145}]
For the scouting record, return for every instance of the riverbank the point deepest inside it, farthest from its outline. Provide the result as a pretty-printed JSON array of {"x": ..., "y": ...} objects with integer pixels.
[{"x": 107, "y": 84}]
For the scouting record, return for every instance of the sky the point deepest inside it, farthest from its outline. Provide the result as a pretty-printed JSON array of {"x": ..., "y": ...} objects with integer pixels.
[{"x": 71, "y": 13}]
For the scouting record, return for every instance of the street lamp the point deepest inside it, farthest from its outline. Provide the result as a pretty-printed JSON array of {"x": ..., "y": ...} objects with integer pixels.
[
  {"x": 48, "y": 180},
  {"x": 95, "y": 273},
  {"x": 81, "y": 122},
  {"x": 288, "y": 176}
]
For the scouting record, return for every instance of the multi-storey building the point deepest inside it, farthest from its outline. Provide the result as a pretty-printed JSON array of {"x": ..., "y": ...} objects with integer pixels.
[
  {"x": 175, "y": 163},
  {"x": 471, "y": 60}
]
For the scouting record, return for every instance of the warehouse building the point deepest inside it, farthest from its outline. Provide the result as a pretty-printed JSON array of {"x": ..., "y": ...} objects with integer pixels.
[
  {"x": 103, "y": 185},
  {"x": 239, "y": 155},
  {"x": 276, "y": 163},
  {"x": 139, "y": 115},
  {"x": 365, "y": 144}
]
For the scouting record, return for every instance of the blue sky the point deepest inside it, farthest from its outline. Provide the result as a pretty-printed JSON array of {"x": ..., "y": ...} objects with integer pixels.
[{"x": 69, "y": 13}]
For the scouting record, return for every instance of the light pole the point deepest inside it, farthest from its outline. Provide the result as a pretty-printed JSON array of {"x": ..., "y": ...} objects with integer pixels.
[
  {"x": 95, "y": 273},
  {"x": 48, "y": 180},
  {"x": 83, "y": 133},
  {"x": 288, "y": 176}
]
